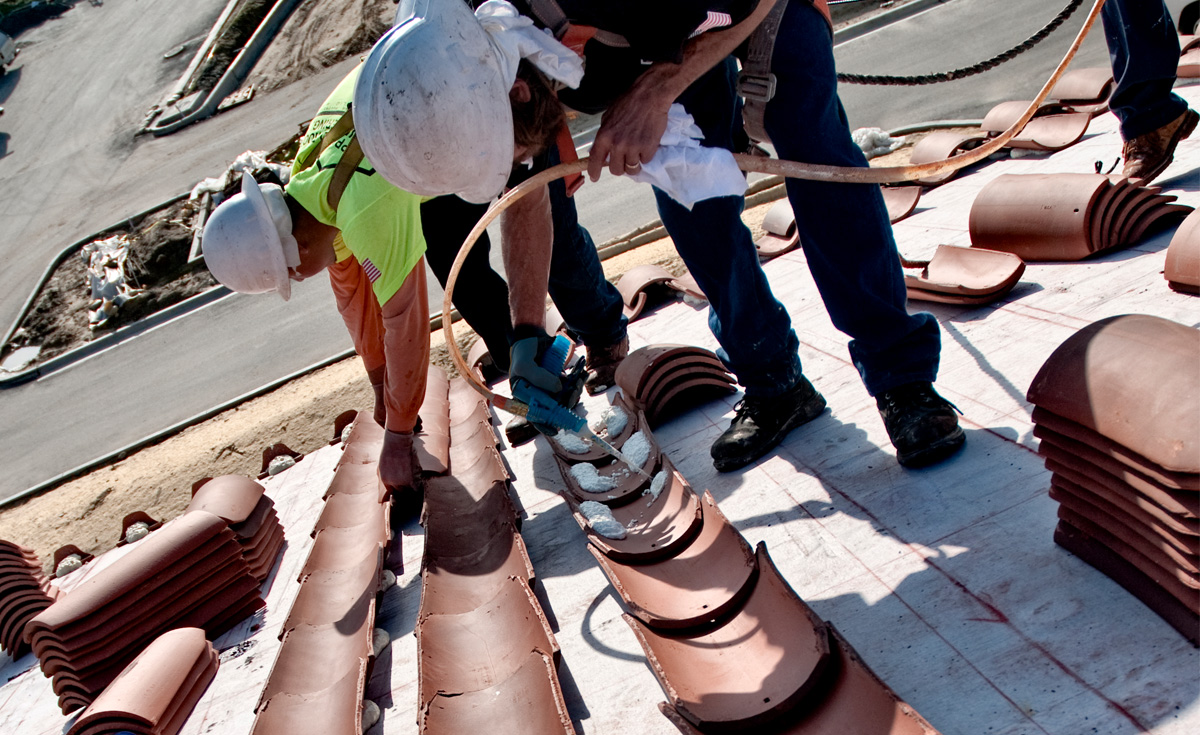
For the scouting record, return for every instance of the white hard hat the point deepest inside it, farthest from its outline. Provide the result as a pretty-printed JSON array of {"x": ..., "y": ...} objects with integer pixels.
[
  {"x": 431, "y": 106},
  {"x": 248, "y": 243}
]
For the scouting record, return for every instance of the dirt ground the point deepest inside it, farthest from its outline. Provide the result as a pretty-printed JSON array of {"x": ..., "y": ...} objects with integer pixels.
[
  {"x": 157, "y": 264},
  {"x": 319, "y": 34}
]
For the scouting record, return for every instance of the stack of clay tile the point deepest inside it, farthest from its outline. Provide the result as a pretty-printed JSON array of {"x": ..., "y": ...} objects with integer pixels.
[
  {"x": 188, "y": 573},
  {"x": 660, "y": 379},
  {"x": 1118, "y": 415},
  {"x": 1182, "y": 268},
  {"x": 240, "y": 502},
  {"x": 317, "y": 681},
  {"x": 734, "y": 648},
  {"x": 24, "y": 592},
  {"x": 486, "y": 655},
  {"x": 1065, "y": 217},
  {"x": 156, "y": 693}
]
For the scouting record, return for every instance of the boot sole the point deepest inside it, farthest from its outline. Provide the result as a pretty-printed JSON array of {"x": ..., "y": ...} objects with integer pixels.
[
  {"x": 934, "y": 453},
  {"x": 812, "y": 409},
  {"x": 1185, "y": 130}
]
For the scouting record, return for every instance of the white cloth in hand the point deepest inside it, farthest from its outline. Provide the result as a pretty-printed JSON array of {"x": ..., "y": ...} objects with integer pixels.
[
  {"x": 688, "y": 171},
  {"x": 514, "y": 37}
]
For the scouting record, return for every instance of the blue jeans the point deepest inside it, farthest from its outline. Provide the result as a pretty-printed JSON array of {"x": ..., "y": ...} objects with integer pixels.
[
  {"x": 844, "y": 229},
  {"x": 1144, "y": 49}
]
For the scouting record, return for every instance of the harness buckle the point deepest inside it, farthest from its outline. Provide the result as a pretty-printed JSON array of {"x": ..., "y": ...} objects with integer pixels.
[{"x": 756, "y": 87}]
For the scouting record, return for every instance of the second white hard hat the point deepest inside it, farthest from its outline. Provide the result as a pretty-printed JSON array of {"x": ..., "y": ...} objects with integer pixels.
[
  {"x": 431, "y": 106},
  {"x": 248, "y": 243}
]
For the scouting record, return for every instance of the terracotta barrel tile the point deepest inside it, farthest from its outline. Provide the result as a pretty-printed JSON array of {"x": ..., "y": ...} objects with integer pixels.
[
  {"x": 854, "y": 700},
  {"x": 1162, "y": 215},
  {"x": 1185, "y": 503},
  {"x": 630, "y": 484},
  {"x": 673, "y": 369},
  {"x": 779, "y": 231},
  {"x": 1124, "y": 573},
  {"x": 941, "y": 145},
  {"x": 484, "y": 647},
  {"x": 900, "y": 201},
  {"x": 312, "y": 659},
  {"x": 1069, "y": 494},
  {"x": 528, "y": 702},
  {"x": 344, "y": 597},
  {"x": 701, "y": 585},
  {"x": 335, "y": 710},
  {"x": 345, "y": 510},
  {"x": 595, "y": 454},
  {"x": 761, "y": 663},
  {"x": 1051, "y": 129},
  {"x": 1182, "y": 269},
  {"x": 635, "y": 282},
  {"x": 471, "y": 437},
  {"x": 1184, "y": 587},
  {"x": 1072, "y": 435},
  {"x": 1038, "y": 217},
  {"x": 169, "y": 547},
  {"x": 689, "y": 391},
  {"x": 452, "y": 585},
  {"x": 1084, "y": 85},
  {"x": 231, "y": 497},
  {"x": 636, "y": 369},
  {"x": 338, "y": 549},
  {"x": 355, "y": 477},
  {"x": 1122, "y": 377},
  {"x": 970, "y": 272},
  {"x": 433, "y": 452},
  {"x": 149, "y": 690},
  {"x": 263, "y": 515},
  {"x": 1142, "y": 538},
  {"x": 656, "y": 528}
]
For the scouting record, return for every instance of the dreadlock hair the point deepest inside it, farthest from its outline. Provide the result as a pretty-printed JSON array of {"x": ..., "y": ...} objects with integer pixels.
[{"x": 536, "y": 122}]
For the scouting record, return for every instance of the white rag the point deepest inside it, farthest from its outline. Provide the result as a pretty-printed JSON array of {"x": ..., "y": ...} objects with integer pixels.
[
  {"x": 688, "y": 171},
  {"x": 514, "y": 37}
]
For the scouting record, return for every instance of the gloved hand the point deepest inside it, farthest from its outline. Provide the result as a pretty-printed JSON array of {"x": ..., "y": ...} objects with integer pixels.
[
  {"x": 380, "y": 413},
  {"x": 398, "y": 464},
  {"x": 523, "y": 362}
]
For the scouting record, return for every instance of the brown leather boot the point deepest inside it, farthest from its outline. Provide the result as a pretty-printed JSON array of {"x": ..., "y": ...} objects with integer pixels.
[
  {"x": 1147, "y": 156},
  {"x": 602, "y": 365}
]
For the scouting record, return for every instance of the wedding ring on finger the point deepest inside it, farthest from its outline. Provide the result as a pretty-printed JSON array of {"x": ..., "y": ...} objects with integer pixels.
[{"x": 633, "y": 168}]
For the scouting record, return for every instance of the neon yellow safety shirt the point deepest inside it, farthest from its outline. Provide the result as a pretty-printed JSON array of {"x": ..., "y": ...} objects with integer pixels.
[{"x": 380, "y": 224}]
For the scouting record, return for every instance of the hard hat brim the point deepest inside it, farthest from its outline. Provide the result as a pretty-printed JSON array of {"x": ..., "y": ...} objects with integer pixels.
[{"x": 279, "y": 268}]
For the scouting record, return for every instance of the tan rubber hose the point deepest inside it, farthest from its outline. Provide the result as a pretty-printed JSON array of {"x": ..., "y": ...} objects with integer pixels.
[{"x": 787, "y": 169}]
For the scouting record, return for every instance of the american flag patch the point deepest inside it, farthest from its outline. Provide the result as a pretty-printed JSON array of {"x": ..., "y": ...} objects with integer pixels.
[
  {"x": 714, "y": 20},
  {"x": 372, "y": 272}
]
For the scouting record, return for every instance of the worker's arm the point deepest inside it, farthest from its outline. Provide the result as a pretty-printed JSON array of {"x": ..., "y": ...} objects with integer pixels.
[
  {"x": 527, "y": 239},
  {"x": 361, "y": 313},
  {"x": 633, "y": 125},
  {"x": 406, "y": 345}
]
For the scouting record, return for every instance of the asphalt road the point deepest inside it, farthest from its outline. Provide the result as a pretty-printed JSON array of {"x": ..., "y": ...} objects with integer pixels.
[{"x": 69, "y": 168}]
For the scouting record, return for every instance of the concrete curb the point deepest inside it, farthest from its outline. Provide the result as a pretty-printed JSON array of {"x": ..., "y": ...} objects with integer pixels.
[
  {"x": 875, "y": 22},
  {"x": 234, "y": 75}
]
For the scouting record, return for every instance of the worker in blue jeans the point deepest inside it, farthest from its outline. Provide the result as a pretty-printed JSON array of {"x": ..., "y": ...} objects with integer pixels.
[
  {"x": 640, "y": 58},
  {"x": 1144, "y": 49}
]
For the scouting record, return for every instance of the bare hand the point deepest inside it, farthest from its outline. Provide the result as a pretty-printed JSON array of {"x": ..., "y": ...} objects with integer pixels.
[{"x": 630, "y": 132}]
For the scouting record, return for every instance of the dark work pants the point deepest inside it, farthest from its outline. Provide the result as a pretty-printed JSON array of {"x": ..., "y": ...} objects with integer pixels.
[{"x": 1144, "y": 49}]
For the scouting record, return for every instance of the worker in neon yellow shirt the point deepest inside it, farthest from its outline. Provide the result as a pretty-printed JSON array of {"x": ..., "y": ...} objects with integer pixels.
[{"x": 337, "y": 214}]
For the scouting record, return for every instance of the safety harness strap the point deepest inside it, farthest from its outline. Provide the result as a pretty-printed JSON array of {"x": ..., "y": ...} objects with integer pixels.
[
  {"x": 346, "y": 167},
  {"x": 756, "y": 83}
]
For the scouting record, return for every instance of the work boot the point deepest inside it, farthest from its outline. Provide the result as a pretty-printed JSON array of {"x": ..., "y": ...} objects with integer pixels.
[
  {"x": 759, "y": 424},
  {"x": 519, "y": 431},
  {"x": 922, "y": 425},
  {"x": 1147, "y": 156},
  {"x": 602, "y": 365}
]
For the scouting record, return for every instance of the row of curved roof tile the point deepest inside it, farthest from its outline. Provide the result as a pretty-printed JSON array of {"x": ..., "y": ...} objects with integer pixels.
[{"x": 734, "y": 648}]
